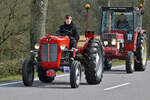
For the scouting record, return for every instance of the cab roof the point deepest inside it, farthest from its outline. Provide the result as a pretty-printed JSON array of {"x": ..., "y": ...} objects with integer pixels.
[{"x": 119, "y": 9}]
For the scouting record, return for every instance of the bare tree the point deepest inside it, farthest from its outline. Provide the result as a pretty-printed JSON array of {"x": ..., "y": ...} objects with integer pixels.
[{"x": 38, "y": 19}]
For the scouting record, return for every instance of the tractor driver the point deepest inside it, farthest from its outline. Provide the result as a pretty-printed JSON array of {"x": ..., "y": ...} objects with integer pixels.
[
  {"x": 69, "y": 29},
  {"x": 122, "y": 23}
]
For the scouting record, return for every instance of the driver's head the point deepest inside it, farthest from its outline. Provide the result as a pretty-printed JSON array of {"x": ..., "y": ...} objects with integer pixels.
[
  {"x": 68, "y": 19},
  {"x": 122, "y": 17}
]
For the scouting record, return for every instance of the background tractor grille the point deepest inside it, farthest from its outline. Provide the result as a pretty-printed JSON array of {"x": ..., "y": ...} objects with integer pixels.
[
  {"x": 109, "y": 36},
  {"x": 49, "y": 52}
]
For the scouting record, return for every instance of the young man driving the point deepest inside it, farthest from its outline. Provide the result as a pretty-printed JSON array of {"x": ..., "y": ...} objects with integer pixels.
[
  {"x": 69, "y": 29},
  {"x": 122, "y": 22}
]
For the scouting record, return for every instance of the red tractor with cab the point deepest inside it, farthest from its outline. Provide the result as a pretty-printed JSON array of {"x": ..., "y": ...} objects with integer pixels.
[
  {"x": 123, "y": 37},
  {"x": 53, "y": 54}
]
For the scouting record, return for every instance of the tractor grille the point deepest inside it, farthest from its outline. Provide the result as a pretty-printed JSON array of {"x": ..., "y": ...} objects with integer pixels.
[
  {"x": 49, "y": 52},
  {"x": 109, "y": 36}
]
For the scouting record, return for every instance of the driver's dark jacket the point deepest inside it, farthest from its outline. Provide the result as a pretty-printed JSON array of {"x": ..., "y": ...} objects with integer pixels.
[
  {"x": 71, "y": 31},
  {"x": 122, "y": 24}
]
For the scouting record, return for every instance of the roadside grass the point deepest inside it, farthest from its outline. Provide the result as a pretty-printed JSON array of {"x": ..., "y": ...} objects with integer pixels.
[
  {"x": 117, "y": 62},
  {"x": 10, "y": 78},
  {"x": 120, "y": 62},
  {"x": 19, "y": 77}
]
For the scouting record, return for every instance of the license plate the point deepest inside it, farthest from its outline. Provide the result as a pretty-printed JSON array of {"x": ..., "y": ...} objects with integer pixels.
[
  {"x": 50, "y": 73},
  {"x": 66, "y": 69}
]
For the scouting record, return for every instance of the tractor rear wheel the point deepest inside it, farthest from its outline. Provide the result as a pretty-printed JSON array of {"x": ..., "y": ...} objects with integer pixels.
[
  {"x": 107, "y": 64},
  {"x": 42, "y": 76},
  {"x": 130, "y": 62},
  {"x": 141, "y": 54},
  {"x": 28, "y": 72},
  {"x": 75, "y": 74},
  {"x": 94, "y": 62}
]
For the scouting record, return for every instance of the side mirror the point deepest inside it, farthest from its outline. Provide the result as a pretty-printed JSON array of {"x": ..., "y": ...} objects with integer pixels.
[{"x": 142, "y": 12}]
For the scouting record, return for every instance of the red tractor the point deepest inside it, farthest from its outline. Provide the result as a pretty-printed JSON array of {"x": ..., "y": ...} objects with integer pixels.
[
  {"x": 123, "y": 37},
  {"x": 53, "y": 54}
]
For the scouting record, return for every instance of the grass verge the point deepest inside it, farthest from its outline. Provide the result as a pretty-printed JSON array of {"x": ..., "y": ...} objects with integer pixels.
[
  {"x": 10, "y": 78},
  {"x": 19, "y": 77},
  {"x": 118, "y": 62}
]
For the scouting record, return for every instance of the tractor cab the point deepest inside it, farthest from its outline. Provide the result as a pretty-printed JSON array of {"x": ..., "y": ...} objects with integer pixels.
[
  {"x": 119, "y": 26},
  {"x": 123, "y": 37}
]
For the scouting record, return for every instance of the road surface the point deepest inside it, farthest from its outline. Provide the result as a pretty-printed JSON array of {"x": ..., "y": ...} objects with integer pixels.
[{"x": 116, "y": 85}]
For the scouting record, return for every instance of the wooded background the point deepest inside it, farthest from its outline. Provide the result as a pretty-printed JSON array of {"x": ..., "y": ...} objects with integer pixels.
[{"x": 15, "y": 22}]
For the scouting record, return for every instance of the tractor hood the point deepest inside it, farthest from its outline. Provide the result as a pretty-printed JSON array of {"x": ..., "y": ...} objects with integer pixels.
[{"x": 55, "y": 39}]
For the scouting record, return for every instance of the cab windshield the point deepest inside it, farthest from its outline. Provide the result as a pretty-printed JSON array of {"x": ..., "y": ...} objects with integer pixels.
[{"x": 117, "y": 19}]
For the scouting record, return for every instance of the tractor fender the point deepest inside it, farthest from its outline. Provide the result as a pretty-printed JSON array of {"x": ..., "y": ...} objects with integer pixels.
[
  {"x": 141, "y": 35},
  {"x": 142, "y": 32}
]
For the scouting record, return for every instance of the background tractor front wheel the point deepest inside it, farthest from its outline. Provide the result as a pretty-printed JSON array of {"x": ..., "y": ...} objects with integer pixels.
[
  {"x": 130, "y": 62},
  {"x": 107, "y": 64},
  {"x": 141, "y": 54},
  {"x": 28, "y": 72}
]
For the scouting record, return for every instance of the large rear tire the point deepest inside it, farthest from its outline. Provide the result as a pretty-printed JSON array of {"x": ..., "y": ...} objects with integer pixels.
[
  {"x": 107, "y": 65},
  {"x": 94, "y": 62},
  {"x": 141, "y": 54},
  {"x": 130, "y": 62},
  {"x": 28, "y": 72},
  {"x": 42, "y": 76},
  {"x": 75, "y": 74}
]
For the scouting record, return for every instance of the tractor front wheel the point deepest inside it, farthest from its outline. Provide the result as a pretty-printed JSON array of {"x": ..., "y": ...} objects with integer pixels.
[
  {"x": 130, "y": 62},
  {"x": 107, "y": 64},
  {"x": 75, "y": 74},
  {"x": 28, "y": 72}
]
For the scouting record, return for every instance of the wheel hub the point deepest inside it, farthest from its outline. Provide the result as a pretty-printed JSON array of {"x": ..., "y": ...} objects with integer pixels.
[
  {"x": 77, "y": 76},
  {"x": 98, "y": 65},
  {"x": 144, "y": 53}
]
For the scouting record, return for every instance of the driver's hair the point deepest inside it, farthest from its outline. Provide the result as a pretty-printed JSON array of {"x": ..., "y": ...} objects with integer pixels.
[
  {"x": 122, "y": 14},
  {"x": 68, "y": 16}
]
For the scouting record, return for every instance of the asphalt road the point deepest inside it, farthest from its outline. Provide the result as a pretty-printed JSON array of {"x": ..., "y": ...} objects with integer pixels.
[{"x": 116, "y": 85}]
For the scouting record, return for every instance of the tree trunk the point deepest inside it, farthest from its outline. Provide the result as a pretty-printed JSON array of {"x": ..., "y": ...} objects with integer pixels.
[{"x": 38, "y": 19}]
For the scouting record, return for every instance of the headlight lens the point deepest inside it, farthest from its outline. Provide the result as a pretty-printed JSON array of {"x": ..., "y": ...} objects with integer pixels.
[
  {"x": 113, "y": 42},
  {"x": 105, "y": 43},
  {"x": 37, "y": 46},
  {"x": 62, "y": 47}
]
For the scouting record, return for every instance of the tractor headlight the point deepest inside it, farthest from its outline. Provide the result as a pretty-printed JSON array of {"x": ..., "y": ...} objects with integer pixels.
[
  {"x": 37, "y": 46},
  {"x": 62, "y": 47},
  {"x": 113, "y": 42},
  {"x": 105, "y": 43}
]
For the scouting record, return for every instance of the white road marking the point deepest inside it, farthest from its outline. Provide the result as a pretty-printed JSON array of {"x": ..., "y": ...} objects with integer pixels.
[
  {"x": 116, "y": 67},
  {"x": 117, "y": 86},
  {"x": 12, "y": 83},
  {"x": 62, "y": 75}
]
